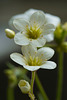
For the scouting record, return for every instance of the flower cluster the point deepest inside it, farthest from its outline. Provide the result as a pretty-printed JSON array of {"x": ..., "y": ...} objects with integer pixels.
[{"x": 35, "y": 29}]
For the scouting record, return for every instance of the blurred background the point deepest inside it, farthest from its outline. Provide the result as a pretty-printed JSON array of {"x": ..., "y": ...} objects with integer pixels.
[{"x": 9, "y": 8}]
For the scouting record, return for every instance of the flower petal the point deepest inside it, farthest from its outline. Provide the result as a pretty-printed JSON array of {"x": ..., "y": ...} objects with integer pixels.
[
  {"x": 26, "y": 15},
  {"x": 49, "y": 65},
  {"x": 39, "y": 42},
  {"x": 45, "y": 53},
  {"x": 48, "y": 31},
  {"x": 28, "y": 51},
  {"x": 53, "y": 19},
  {"x": 30, "y": 12},
  {"x": 49, "y": 37},
  {"x": 18, "y": 58},
  {"x": 19, "y": 16},
  {"x": 31, "y": 68},
  {"x": 48, "y": 28},
  {"x": 37, "y": 18},
  {"x": 21, "y": 39},
  {"x": 20, "y": 24}
]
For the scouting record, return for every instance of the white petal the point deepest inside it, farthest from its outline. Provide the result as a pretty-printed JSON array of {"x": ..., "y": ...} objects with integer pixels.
[
  {"x": 45, "y": 53},
  {"x": 49, "y": 65},
  {"x": 21, "y": 39},
  {"x": 49, "y": 37},
  {"x": 39, "y": 42},
  {"x": 53, "y": 19},
  {"x": 30, "y": 12},
  {"x": 19, "y": 16},
  {"x": 18, "y": 58},
  {"x": 50, "y": 18},
  {"x": 48, "y": 31},
  {"x": 20, "y": 24},
  {"x": 48, "y": 28},
  {"x": 28, "y": 51},
  {"x": 32, "y": 68},
  {"x": 37, "y": 18},
  {"x": 26, "y": 15}
]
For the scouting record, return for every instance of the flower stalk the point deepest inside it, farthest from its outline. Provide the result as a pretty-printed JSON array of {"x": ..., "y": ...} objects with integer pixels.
[
  {"x": 60, "y": 76},
  {"x": 31, "y": 95},
  {"x": 10, "y": 93},
  {"x": 39, "y": 85},
  {"x": 32, "y": 81}
]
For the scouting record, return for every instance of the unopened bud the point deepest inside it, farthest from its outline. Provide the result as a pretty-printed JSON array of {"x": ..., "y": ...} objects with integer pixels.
[
  {"x": 64, "y": 46},
  {"x": 9, "y": 33},
  {"x": 65, "y": 26},
  {"x": 24, "y": 86},
  {"x": 58, "y": 32}
]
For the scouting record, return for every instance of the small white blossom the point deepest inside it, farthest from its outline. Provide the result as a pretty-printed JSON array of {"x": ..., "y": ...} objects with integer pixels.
[
  {"x": 49, "y": 19},
  {"x": 33, "y": 31},
  {"x": 33, "y": 59},
  {"x": 24, "y": 86}
]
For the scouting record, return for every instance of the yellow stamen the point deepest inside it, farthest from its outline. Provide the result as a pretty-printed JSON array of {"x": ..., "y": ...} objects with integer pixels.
[
  {"x": 34, "y": 61},
  {"x": 34, "y": 32}
]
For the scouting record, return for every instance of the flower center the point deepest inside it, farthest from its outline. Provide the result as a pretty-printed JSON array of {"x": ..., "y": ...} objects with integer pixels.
[
  {"x": 34, "y": 61},
  {"x": 34, "y": 32}
]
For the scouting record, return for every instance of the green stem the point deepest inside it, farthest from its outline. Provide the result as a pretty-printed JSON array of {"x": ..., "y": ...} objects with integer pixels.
[
  {"x": 39, "y": 85},
  {"x": 10, "y": 93},
  {"x": 60, "y": 76},
  {"x": 32, "y": 81},
  {"x": 31, "y": 95}
]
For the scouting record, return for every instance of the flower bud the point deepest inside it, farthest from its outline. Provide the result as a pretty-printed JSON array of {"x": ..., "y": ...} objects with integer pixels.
[
  {"x": 65, "y": 26},
  {"x": 9, "y": 33},
  {"x": 59, "y": 34},
  {"x": 64, "y": 46},
  {"x": 24, "y": 86}
]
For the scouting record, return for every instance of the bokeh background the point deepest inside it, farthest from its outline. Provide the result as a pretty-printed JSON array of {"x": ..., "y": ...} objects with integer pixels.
[{"x": 9, "y": 8}]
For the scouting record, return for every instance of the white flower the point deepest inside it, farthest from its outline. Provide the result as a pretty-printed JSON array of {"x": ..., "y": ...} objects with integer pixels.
[
  {"x": 33, "y": 31},
  {"x": 24, "y": 86},
  {"x": 33, "y": 59},
  {"x": 49, "y": 18}
]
